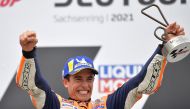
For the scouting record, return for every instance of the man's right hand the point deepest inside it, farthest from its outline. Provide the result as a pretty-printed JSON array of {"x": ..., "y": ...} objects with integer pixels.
[{"x": 28, "y": 40}]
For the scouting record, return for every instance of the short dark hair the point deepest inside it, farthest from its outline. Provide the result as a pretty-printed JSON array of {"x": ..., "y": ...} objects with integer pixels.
[{"x": 67, "y": 77}]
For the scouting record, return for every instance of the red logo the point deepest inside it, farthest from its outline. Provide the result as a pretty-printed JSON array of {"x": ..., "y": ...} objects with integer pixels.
[{"x": 10, "y": 3}]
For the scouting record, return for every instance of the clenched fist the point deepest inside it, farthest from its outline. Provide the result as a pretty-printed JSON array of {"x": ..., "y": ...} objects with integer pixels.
[
  {"x": 28, "y": 40},
  {"x": 173, "y": 30}
]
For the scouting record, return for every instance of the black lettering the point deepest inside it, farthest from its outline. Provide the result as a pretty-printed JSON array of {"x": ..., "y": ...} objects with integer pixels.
[
  {"x": 109, "y": 2},
  {"x": 146, "y": 2},
  {"x": 131, "y": 17},
  {"x": 67, "y": 3},
  {"x": 183, "y": 1},
  {"x": 102, "y": 3},
  {"x": 167, "y": 2},
  {"x": 81, "y": 3},
  {"x": 122, "y": 17},
  {"x": 126, "y": 2},
  {"x": 174, "y": 53}
]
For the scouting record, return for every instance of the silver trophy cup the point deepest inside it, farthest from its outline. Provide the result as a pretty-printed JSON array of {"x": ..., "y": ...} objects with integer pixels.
[{"x": 176, "y": 49}]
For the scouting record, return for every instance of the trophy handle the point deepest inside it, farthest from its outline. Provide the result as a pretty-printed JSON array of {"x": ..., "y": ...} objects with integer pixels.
[
  {"x": 162, "y": 37},
  {"x": 142, "y": 11},
  {"x": 165, "y": 25}
]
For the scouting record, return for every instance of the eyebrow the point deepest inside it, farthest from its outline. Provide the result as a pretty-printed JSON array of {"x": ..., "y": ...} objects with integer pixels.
[
  {"x": 91, "y": 76},
  {"x": 77, "y": 77}
]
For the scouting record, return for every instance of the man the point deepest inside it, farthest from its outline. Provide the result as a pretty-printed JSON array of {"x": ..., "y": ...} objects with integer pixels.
[{"x": 78, "y": 77}]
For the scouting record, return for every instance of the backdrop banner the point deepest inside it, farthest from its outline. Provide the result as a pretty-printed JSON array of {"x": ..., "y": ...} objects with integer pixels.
[{"x": 113, "y": 32}]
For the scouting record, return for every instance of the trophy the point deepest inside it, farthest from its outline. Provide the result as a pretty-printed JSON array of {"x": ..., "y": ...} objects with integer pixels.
[{"x": 176, "y": 48}]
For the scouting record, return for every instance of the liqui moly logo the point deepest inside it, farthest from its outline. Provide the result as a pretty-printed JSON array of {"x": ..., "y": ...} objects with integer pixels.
[{"x": 111, "y": 77}]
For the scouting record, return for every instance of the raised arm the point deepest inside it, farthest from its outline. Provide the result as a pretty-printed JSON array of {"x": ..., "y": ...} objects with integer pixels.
[
  {"x": 148, "y": 80},
  {"x": 29, "y": 77}
]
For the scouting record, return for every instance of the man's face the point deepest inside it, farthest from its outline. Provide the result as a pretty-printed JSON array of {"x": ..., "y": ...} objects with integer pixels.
[{"x": 80, "y": 85}]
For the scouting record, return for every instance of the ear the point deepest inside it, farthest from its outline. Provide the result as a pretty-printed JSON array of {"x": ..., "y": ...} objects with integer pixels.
[{"x": 65, "y": 83}]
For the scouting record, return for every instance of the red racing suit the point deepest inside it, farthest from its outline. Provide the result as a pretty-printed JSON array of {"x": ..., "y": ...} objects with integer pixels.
[{"x": 147, "y": 81}]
